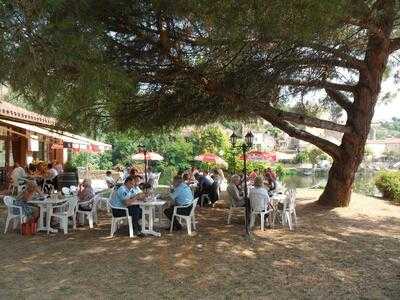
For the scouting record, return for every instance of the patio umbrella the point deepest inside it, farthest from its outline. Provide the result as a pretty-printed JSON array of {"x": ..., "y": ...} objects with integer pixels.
[
  {"x": 262, "y": 156},
  {"x": 211, "y": 158},
  {"x": 146, "y": 156}
]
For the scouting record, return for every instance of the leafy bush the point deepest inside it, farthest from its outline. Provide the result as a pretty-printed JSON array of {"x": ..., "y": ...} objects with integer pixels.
[
  {"x": 388, "y": 183},
  {"x": 302, "y": 157},
  {"x": 167, "y": 173},
  {"x": 281, "y": 170}
]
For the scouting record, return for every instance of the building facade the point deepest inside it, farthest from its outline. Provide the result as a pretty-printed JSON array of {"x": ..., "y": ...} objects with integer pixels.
[{"x": 26, "y": 137}]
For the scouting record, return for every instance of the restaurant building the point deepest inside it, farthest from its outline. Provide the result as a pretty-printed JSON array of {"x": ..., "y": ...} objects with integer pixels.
[{"x": 26, "y": 137}]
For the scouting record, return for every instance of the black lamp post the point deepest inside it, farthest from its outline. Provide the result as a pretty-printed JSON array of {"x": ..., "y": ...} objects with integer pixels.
[
  {"x": 248, "y": 143},
  {"x": 142, "y": 148}
]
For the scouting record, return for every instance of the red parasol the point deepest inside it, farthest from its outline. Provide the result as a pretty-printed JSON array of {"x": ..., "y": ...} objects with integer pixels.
[
  {"x": 211, "y": 158},
  {"x": 262, "y": 156}
]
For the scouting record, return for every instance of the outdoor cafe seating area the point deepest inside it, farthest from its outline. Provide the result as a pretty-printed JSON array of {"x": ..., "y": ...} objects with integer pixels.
[{"x": 61, "y": 208}]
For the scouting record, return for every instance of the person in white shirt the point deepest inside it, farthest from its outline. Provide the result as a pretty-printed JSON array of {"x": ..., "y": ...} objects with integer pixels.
[
  {"x": 208, "y": 176},
  {"x": 58, "y": 167},
  {"x": 51, "y": 172},
  {"x": 259, "y": 198},
  {"x": 109, "y": 180},
  {"x": 18, "y": 175}
]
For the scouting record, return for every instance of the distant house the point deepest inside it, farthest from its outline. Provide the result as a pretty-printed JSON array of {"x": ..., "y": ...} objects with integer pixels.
[
  {"x": 263, "y": 141},
  {"x": 379, "y": 147}
]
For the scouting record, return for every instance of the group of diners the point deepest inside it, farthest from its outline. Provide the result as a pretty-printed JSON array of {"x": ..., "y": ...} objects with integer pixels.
[
  {"x": 130, "y": 195},
  {"x": 204, "y": 182},
  {"x": 261, "y": 187},
  {"x": 41, "y": 172},
  {"x": 85, "y": 194},
  {"x": 185, "y": 187}
]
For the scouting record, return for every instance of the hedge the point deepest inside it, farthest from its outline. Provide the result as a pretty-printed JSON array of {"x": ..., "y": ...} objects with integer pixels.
[{"x": 388, "y": 183}]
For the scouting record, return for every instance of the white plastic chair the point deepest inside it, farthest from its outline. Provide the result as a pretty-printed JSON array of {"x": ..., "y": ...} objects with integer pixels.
[
  {"x": 14, "y": 213},
  {"x": 73, "y": 189},
  {"x": 115, "y": 221},
  {"x": 232, "y": 209},
  {"x": 289, "y": 209},
  {"x": 90, "y": 214},
  {"x": 66, "y": 191},
  {"x": 104, "y": 199},
  {"x": 156, "y": 180},
  {"x": 190, "y": 219},
  {"x": 65, "y": 211},
  {"x": 262, "y": 211}
]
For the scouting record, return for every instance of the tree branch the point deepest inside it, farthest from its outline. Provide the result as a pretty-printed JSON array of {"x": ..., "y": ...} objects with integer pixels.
[
  {"x": 318, "y": 84},
  {"x": 308, "y": 121},
  {"x": 323, "y": 62},
  {"x": 340, "y": 99},
  {"x": 351, "y": 60},
  {"x": 325, "y": 145}
]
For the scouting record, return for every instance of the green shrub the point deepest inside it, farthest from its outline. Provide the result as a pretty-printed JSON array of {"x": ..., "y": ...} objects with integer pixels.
[
  {"x": 280, "y": 170},
  {"x": 388, "y": 183}
]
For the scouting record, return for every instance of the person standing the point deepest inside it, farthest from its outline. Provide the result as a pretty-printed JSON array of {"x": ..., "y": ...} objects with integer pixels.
[
  {"x": 109, "y": 180},
  {"x": 182, "y": 196}
]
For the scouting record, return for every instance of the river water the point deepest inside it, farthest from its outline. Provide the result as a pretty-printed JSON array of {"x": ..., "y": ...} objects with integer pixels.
[{"x": 363, "y": 184}]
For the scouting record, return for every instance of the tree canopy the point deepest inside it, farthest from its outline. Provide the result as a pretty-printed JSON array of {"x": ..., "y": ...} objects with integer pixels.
[{"x": 159, "y": 64}]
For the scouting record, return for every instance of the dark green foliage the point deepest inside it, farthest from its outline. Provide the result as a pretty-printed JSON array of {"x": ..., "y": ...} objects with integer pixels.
[
  {"x": 156, "y": 64},
  {"x": 388, "y": 183}
]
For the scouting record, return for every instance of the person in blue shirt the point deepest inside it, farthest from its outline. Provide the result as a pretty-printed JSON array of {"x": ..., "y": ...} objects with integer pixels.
[
  {"x": 125, "y": 197},
  {"x": 182, "y": 195}
]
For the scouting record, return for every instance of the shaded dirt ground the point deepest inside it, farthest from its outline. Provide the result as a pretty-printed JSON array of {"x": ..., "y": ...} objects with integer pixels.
[{"x": 342, "y": 253}]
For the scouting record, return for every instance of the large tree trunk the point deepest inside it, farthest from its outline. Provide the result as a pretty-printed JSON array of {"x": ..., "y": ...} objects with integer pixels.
[
  {"x": 341, "y": 176},
  {"x": 337, "y": 192}
]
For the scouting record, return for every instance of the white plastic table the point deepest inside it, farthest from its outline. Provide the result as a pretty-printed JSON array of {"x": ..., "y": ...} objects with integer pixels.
[
  {"x": 278, "y": 198},
  {"x": 148, "y": 209},
  {"x": 45, "y": 206}
]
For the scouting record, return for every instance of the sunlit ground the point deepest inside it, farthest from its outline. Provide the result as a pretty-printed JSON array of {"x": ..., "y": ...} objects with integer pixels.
[{"x": 342, "y": 253}]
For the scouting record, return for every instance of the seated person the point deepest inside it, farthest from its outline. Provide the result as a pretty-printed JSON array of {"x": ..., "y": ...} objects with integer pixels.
[
  {"x": 259, "y": 198},
  {"x": 233, "y": 192},
  {"x": 253, "y": 175},
  {"x": 182, "y": 196},
  {"x": 85, "y": 194},
  {"x": 186, "y": 178},
  {"x": 58, "y": 167},
  {"x": 18, "y": 175},
  {"x": 204, "y": 185},
  {"x": 208, "y": 176},
  {"x": 127, "y": 196},
  {"x": 270, "y": 180},
  {"x": 25, "y": 196},
  {"x": 109, "y": 180},
  {"x": 51, "y": 175}
]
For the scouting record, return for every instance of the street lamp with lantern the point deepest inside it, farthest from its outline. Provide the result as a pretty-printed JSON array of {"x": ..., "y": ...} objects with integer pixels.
[{"x": 248, "y": 143}]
